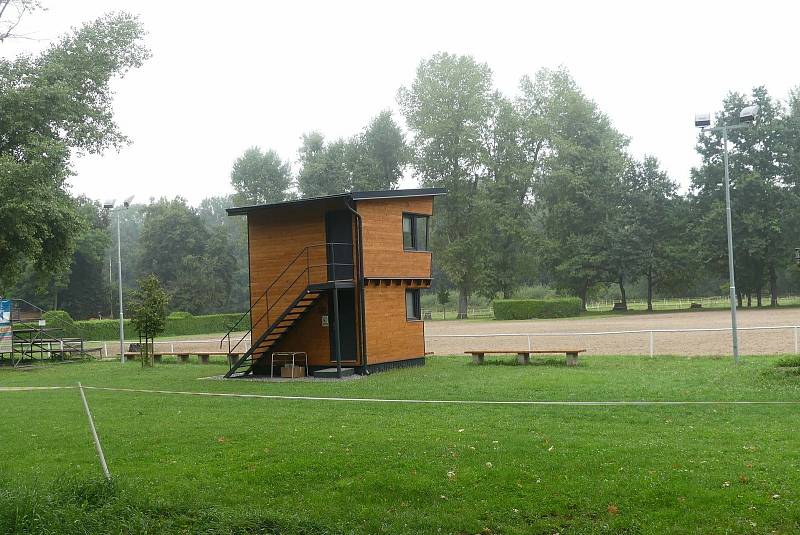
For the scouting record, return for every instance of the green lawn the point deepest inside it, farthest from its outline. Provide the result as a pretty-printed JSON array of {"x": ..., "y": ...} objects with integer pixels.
[{"x": 241, "y": 465}]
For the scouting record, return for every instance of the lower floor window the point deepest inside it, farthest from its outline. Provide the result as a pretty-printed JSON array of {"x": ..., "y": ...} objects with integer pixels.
[{"x": 412, "y": 305}]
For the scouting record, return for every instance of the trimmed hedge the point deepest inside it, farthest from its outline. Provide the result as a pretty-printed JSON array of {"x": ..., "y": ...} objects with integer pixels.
[
  {"x": 524, "y": 309},
  {"x": 180, "y": 326}
]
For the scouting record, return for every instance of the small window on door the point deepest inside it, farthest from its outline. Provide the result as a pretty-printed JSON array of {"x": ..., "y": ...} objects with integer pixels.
[
  {"x": 412, "y": 305},
  {"x": 415, "y": 232}
]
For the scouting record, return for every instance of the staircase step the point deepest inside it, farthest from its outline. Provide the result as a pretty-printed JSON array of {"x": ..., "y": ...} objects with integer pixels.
[{"x": 331, "y": 372}]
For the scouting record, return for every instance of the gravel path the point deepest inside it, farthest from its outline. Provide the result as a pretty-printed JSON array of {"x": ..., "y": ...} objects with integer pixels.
[{"x": 686, "y": 343}]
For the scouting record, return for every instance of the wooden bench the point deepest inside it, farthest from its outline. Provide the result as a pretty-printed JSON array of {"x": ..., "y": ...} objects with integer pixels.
[
  {"x": 524, "y": 356},
  {"x": 203, "y": 356}
]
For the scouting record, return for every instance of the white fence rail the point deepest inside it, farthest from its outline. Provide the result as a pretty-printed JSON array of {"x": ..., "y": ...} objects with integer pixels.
[
  {"x": 682, "y": 345},
  {"x": 110, "y": 348},
  {"x": 772, "y": 339}
]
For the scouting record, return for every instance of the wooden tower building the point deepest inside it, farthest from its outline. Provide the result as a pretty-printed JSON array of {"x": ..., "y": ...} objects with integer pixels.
[{"x": 336, "y": 279}]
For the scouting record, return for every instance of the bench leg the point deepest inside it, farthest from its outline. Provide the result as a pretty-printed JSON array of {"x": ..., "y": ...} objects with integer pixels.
[
  {"x": 203, "y": 359},
  {"x": 523, "y": 358},
  {"x": 477, "y": 358},
  {"x": 184, "y": 358},
  {"x": 572, "y": 359},
  {"x": 156, "y": 358}
]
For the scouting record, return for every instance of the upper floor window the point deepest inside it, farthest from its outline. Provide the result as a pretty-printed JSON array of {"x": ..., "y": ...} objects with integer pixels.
[{"x": 415, "y": 232}]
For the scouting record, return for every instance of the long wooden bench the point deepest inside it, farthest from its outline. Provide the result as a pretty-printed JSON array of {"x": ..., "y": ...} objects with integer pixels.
[{"x": 524, "y": 356}]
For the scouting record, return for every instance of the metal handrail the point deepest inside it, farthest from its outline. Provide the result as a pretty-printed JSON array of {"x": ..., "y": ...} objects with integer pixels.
[{"x": 265, "y": 295}]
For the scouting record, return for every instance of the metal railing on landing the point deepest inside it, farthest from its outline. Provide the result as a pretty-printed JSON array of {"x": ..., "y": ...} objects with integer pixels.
[{"x": 305, "y": 274}]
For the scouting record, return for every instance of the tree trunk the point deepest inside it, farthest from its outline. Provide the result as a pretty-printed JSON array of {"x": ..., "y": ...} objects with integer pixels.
[
  {"x": 773, "y": 287},
  {"x": 758, "y": 296},
  {"x": 622, "y": 295},
  {"x": 738, "y": 298},
  {"x": 463, "y": 295},
  {"x": 749, "y": 300},
  {"x": 583, "y": 295},
  {"x": 650, "y": 290}
]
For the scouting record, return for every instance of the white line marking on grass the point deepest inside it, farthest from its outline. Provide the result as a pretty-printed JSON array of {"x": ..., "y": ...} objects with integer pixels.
[
  {"x": 442, "y": 401},
  {"x": 30, "y": 388}
]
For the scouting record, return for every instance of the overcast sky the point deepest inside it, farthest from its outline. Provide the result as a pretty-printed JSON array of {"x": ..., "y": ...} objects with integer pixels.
[{"x": 228, "y": 75}]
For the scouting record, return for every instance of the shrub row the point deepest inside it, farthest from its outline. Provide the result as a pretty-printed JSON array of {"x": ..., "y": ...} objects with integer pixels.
[
  {"x": 184, "y": 324},
  {"x": 524, "y": 309}
]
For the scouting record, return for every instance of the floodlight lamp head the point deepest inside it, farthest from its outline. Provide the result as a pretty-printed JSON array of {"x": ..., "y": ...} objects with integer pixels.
[
  {"x": 701, "y": 120},
  {"x": 748, "y": 114},
  {"x": 127, "y": 201},
  {"x": 109, "y": 204}
]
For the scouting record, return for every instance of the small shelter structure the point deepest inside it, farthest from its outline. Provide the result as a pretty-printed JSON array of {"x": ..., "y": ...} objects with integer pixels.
[{"x": 335, "y": 283}]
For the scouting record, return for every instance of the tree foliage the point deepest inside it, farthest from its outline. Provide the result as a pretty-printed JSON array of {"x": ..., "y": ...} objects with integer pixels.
[
  {"x": 56, "y": 104},
  {"x": 448, "y": 107},
  {"x": 148, "y": 308},
  {"x": 371, "y": 160},
  {"x": 260, "y": 177}
]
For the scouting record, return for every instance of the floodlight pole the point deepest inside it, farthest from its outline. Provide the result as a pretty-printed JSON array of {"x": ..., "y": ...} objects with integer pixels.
[
  {"x": 121, "y": 318},
  {"x": 731, "y": 275}
]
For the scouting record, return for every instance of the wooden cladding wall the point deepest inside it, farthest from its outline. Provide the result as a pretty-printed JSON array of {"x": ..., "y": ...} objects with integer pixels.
[
  {"x": 389, "y": 336},
  {"x": 310, "y": 336},
  {"x": 384, "y": 256},
  {"x": 276, "y": 237}
]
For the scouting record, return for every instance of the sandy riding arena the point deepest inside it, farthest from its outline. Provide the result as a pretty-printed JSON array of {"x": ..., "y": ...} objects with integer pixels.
[{"x": 751, "y": 342}]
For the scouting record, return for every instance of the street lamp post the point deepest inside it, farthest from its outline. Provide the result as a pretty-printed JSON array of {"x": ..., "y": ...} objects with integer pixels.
[
  {"x": 110, "y": 205},
  {"x": 703, "y": 121}
]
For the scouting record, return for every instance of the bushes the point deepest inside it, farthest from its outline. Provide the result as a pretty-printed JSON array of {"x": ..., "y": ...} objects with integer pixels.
[
  {"x": 58, "y": 318},
  {"x": 523, "y": 309},
  {"x": 183, "y": 324}
]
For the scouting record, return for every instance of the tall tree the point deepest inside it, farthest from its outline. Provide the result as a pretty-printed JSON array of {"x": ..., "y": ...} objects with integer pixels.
[
  {"x": 372, "y": 160},
  {"x": 260, "y": 177},
  {"x": 579, "y": 191},
  {"x": 762, "y": 195},
  {"x": 378, "y": 155},
  {"x": 512, "y": 164},
  {"x": 448, "y": 107},
  {"x": 172, "y": 230},
  {"x": 656, "y": 243},
  {"x": 324, "y": 168},
  {"x": 56, "y": 104}
]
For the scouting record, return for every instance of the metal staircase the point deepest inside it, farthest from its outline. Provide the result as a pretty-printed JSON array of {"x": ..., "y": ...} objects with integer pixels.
[{"x": 287, "y": 299}]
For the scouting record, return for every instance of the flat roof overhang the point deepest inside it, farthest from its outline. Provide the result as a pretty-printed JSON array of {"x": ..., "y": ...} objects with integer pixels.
[{"x": 354, "y": 196}]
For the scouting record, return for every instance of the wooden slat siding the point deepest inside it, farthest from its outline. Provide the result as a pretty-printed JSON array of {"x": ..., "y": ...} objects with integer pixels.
[
  {"x": 276, "y": 236},
  {"x": 383, "y": 238},
  {"x": 310, "y": 336},
  {"x": 389, "y": 336}
]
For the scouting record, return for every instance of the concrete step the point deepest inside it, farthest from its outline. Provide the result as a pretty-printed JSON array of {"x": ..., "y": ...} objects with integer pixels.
[{"x": 331, "y": 372}]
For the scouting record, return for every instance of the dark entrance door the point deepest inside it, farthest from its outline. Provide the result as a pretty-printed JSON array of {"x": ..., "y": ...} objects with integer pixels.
[
  {"x": 347, "y": 324},
  {"x": 339, "y": 236}
]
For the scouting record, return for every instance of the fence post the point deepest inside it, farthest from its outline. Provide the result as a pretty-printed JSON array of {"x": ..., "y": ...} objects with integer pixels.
[
  {"x": 172, "y": 348},
  {"x": 651, "y": 343},
  {"x": 529, "y": 340},
  {"x": 105, "y": 348}
]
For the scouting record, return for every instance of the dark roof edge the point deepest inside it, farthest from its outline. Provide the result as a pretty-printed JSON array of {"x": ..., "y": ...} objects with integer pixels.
[
  {"x": 356, "y": 196},
  {"x": 395, "y": 193}
]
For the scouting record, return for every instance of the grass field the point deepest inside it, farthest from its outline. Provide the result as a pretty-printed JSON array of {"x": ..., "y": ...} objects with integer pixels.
[{"x": 190, "y": 464}]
